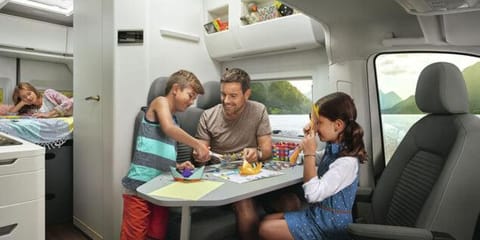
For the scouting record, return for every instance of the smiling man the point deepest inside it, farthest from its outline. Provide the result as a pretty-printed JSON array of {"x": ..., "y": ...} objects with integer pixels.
[
  {"x": 238, "y": 124},
  {"x": 241, "y": 125}
]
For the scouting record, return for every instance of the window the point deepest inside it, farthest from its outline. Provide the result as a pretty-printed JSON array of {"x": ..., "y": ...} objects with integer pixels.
[
  {"x": 397, "y": 75},
  {"x": 288, "y": 103}
]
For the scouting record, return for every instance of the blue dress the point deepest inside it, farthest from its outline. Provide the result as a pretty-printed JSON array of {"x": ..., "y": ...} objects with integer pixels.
[{"x": 329, "y": 218}]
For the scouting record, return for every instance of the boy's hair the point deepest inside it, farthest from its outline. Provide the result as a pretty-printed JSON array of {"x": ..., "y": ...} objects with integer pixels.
[
  {"x": 236, "y": 75},
  {"x": 16, "y": 96},
  {"x": 184, "y": 79},
  {"x": 340, "y": 105}
]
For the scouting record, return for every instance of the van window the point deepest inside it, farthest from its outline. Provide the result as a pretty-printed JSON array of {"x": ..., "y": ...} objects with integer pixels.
[
  {"x": 397, "y": 75},
  {"x": 288, "y": 104}
]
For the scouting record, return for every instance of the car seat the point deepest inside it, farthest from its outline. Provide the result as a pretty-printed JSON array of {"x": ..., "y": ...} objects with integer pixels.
[{"x": 430, "y": 188}]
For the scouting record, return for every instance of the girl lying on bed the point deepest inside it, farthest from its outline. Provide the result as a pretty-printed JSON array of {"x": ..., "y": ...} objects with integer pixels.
[{"x": 29, "y": 101}]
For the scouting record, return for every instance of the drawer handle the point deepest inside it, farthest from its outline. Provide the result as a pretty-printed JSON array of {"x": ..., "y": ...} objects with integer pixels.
[
  {"x": 7, "y": 161},
  {"x": 5, "y": 230}
]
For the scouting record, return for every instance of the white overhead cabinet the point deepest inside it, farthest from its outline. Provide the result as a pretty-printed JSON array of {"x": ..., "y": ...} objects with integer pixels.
[
  {"x": 22, "y": 36},
  {"x": 268, "y": 33}
]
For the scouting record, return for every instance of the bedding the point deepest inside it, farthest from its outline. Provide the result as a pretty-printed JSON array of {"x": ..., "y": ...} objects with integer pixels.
[{"x": 47, "y": 132}]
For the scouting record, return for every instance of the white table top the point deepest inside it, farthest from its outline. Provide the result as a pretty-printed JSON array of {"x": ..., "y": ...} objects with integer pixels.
[{"x": 227, "y": 193}]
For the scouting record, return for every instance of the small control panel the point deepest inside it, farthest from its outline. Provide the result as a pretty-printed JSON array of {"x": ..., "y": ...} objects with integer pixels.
[{"x": 130, "y": 37}]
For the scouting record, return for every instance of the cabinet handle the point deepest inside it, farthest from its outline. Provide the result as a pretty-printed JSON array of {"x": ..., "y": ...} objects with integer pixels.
[
  {"x": 5, "y": 230},
  {"x": 7, "y": 161},
  {"x": 93, "y": 98}
]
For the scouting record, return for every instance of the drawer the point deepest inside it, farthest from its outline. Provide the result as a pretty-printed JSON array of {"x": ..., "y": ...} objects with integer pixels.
[
  {"x": 17, "y": 188},
  {"x": 12, "y": 165},
  {"x": 23, "y": 221}
]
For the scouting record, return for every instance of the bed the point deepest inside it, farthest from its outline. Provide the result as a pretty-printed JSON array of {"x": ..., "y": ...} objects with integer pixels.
[{"x": 48, "y": 132}]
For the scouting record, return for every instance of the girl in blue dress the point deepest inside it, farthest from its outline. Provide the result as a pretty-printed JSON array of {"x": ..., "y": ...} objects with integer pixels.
[{"x": 330, "y": 188}]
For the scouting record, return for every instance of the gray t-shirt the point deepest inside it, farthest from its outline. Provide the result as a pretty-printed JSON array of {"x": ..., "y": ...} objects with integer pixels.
[{"x": 231, "y": 136}]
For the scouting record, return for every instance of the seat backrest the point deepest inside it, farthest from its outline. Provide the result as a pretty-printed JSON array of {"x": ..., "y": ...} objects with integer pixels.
[
  {"x": 432, "y": 179},
  {"x": 189, "y": 119},
  {"x": 157, "y": 88}
]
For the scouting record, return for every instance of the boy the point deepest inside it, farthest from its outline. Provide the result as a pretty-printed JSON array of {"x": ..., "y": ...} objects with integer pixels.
[{"x": 155, "y": 152}]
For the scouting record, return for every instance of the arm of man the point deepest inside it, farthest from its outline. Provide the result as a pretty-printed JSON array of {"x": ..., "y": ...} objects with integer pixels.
[
  {"x": 264, "y": 137},
  {"x": 262, "y": 152},
  {"x": 265, "y": 147}
]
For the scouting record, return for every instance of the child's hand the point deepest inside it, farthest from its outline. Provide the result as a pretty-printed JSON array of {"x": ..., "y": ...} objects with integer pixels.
[
  {"x": 308, "y": 143},
  {"x": 309, "y": 127},
  {"x": 185, "y": 165},
  {"x": 201, "y": 153}
]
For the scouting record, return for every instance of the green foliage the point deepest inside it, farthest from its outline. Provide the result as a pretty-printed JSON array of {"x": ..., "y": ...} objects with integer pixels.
[
  {"x": 280, "y": 97},
  {"x": 472, "y": 80}
]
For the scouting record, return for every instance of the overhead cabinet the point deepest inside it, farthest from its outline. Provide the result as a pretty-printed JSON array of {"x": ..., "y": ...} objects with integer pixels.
[
  {"x": 274, "y": 35},
  {"x": 31, "y": 35}
]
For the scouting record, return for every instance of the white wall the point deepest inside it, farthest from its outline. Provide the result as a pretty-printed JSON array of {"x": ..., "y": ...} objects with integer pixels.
[
  {"x": 136, "y": 66},
  {"x": 166, "y": 55},
  {"x": 44, "y": 75},
  {"x": 8, "y": 73}
]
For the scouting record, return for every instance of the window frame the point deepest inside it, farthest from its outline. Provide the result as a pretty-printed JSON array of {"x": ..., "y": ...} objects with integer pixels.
[{"x": 378, "y": 160}]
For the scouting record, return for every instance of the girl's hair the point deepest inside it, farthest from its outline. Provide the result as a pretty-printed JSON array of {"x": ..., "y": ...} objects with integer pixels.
[
  {"x": 16, "y": 96},
  {"x": 340, "y": 106},
  {"x": 185, "y": 79}
]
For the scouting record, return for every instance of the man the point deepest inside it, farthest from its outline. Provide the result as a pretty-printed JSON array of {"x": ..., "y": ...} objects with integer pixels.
[{"x": 240, "y": 125}]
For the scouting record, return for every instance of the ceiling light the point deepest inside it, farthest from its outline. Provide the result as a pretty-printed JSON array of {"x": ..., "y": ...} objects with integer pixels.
[{"x": 64, "y": 7}]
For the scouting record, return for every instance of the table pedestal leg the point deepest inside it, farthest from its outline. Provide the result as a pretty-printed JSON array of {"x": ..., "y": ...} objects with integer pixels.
[{"x": 185, "y": 224}]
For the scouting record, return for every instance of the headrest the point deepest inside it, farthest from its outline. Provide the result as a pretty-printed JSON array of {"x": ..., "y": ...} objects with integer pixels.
[
  {"x": 157, "y": 88},
  {"x": 441, "y": 89},
  {"x": 211, "y": 96}
]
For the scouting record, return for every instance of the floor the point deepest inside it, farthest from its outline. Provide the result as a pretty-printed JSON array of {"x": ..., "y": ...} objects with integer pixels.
[{"x": 65, "y": 231}]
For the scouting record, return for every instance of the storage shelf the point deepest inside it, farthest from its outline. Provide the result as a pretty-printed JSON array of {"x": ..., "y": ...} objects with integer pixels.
[{"x": 280, "y": 35}]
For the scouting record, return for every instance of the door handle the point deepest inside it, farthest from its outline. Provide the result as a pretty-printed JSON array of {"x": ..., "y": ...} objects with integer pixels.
[{"x": 93, "y": 98}]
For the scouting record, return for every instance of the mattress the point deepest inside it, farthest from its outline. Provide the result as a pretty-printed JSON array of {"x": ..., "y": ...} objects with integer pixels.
[{"x": 47, "y": 132}]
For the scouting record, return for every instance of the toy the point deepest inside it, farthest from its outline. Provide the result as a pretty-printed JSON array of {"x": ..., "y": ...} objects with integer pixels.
[
  {"x": 210, "y": 27},
  {"x": 294, "y": 156},
  {"x": 253, "y": 15},
  {"x": 233, "y": 156},
  {"x": 283, "y": 9},
  {"x": 186, "y": 172},
  {"x": 248, "y": 169},
  {"x": 220, "y": 25},
  {"x": 187, "y": 175}
]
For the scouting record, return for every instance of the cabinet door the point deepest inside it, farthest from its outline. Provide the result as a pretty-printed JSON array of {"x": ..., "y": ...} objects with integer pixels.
[{"x": 26, "y": 33}]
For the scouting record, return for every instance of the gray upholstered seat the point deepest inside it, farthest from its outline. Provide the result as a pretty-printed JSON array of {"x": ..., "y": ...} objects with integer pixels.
[
  {"x": 432, "y": 181},
  {"x": 157, "y": 88},
  {"x": 189, "y": 119}
]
